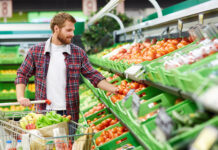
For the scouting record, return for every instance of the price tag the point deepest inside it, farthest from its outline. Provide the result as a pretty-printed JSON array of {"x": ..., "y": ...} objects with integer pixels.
[
  {"x": 135, "y": 72},
  {"x": 135, "y": 104},
  {"x": 201, "y": 18},
  {"x": 180, "y": 26},
  {"x": 128, "y": 95},
  {"x": 164, "y": 123}
]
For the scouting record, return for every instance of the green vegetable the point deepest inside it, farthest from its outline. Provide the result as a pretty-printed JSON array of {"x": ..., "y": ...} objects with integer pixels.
[{"x": 49, "y": 119}]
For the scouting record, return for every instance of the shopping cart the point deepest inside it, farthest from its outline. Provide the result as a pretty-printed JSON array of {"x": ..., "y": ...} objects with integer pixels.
[{"x": 10, "y": 130}]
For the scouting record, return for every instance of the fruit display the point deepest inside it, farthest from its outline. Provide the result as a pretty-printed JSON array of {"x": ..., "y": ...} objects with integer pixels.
[
  {"x": 14, "y": 108},
  {"x": 35, "y": 121},
  {"x": 148, "y": 50},
  {"x": 207, "y": 48},
  {"x": 104, "y": 124},
  {"x": 8, "y": 72},
  {"x": 8, "y": 91},
  {"x": 87, "y": 100},
  {"x": 108, "y": 50},
  {"x": 31, "y": 87},
  {"x": 95, "y": 119},
  {"x": 110, "y": 134},
  {"x": 95, "y": 109},
  {"x": 124, "y": 88}
]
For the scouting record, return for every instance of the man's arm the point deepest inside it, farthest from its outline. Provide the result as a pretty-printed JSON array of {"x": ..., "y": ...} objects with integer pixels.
[
  {"x": 95, "y": 77},
  {"x": 104, "y": 85},
  {"x": 20, "y": 91},
  {"x": 25, "y": 71}
]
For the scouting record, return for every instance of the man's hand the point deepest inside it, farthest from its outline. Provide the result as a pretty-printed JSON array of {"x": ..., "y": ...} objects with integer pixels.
[
  {"x": 104, "y": 85},
  {"x": 24, "y": 101}
]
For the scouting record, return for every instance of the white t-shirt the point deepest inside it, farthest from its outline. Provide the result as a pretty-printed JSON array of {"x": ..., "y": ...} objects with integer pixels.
[{"x": 56, "y": 78}]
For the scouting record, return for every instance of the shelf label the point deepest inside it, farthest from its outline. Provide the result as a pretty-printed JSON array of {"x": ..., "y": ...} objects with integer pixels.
[
  {"x": 201, "y": 18},
  {"x": 135, "y": 72},
  {"x": 135, "y": 104},
  {"x": 164, "y": 124}
]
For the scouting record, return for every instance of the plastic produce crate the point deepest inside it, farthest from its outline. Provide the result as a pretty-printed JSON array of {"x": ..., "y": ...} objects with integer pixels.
[
  {"x": 151, "y": 106},
  {"x": 115, "y": 143},
  {"x": 183, "y": 74},
  {"x": 123, "y": 107},
  {"x": 185, "y": 108},
  {"x": 98, "y": 114},
  {"x": 7, "y": 91}
]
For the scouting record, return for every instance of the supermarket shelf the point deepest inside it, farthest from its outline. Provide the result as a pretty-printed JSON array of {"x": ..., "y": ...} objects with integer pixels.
[
  {"x": 172, "y": 90},
  {"x": 122, "y": 122},
  {"x": 189, "y": 17}
]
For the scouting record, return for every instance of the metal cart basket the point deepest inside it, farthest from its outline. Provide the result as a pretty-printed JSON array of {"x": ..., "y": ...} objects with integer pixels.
[{"x": 10, "y": 130}]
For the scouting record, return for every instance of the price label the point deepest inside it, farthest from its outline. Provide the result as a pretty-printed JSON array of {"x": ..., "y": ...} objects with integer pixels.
[
  {"x": 201, "y": 18},
  {"x": 135, "y": 104},
  {"x": 164, "y": 122},
  {"x": 135, "y": 72},
  {"x": 180, "y": 25}
]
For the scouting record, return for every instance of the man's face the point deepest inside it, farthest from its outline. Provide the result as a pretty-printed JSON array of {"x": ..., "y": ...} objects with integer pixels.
[{"x": 66, "y": 33}]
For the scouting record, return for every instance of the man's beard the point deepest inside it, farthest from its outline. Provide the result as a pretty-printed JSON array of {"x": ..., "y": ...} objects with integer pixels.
[{"x": 62, "y": 39}]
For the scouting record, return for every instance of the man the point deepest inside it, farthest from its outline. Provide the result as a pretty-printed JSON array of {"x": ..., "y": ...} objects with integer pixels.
[{"x": 57, "y": 64}]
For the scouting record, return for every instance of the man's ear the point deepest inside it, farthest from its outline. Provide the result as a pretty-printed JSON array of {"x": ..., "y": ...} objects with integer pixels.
[{"x": 56, "y": 28}]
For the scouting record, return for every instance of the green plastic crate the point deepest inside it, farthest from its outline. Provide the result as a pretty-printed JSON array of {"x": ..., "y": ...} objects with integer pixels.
[
  {"x": 186, "y": 108},
  {"x": 183, "y": 74},
  {"x": 97, "y": 114},
  {"x": 112, "y": 145},
  {"x": 126, "y": 138},
  {"x": 162, "y": 100},
  {"x": 122, "y": 108}
]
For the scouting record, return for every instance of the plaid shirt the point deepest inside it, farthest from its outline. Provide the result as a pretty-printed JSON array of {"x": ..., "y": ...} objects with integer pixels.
[{"x": 36, "y": 63}]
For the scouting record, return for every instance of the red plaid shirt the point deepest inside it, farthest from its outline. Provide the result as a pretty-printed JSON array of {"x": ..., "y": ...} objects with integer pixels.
[{"x": 36, "y": 63}]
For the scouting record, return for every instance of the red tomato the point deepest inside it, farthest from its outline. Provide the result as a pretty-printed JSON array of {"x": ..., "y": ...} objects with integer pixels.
[
  {"x": 98, "y": 140},
  {"x": 114, "y": 130},
  {"x": 134, "y": 85},
  {"x": 123, "y": 83},
  {"x": 113, "y": 122}
]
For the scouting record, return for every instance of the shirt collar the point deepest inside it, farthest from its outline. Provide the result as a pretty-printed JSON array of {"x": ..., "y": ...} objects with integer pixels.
[{"x": 48, "y": 47}]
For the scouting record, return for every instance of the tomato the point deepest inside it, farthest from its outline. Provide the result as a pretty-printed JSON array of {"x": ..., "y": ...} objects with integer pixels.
[
  {"x": 113, "y": 98},
  {"x": 123, "y": 83},
  {"x": 99, "y": 140},
  {"x": 134, "y": 85},
  {"x": 118, "y": 142},
  {"x": 115, "y": 135},
  {"x": 114, "y": 130},
  {"x": 120, "y": 129},
  {"x": 113, "y": 122},
  {"x": 105, "y": 123},
  {"x": 125, "y": 91}
]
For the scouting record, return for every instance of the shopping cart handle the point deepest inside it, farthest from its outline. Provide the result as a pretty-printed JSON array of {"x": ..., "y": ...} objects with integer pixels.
[{"x": 32, "y": 102}]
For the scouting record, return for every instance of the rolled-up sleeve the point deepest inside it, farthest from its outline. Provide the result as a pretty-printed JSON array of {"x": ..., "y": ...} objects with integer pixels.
[
  {"x": 89, "y": 72},
  {"x": 26, "y": 69}
]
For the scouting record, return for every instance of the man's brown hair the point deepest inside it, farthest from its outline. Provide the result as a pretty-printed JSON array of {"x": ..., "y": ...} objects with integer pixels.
[{"x": 59, "y": 20}]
